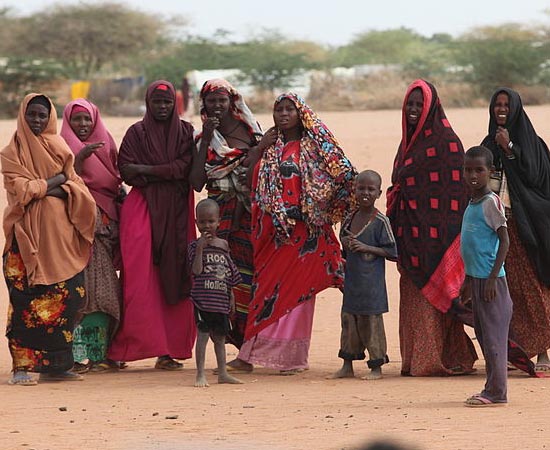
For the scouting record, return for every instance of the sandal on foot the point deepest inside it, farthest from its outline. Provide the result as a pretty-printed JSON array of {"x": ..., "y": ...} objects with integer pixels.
[
  {"x": 79, "y": 367},
  {"x": 478, "y": 401},
  {"x": 167, "y": 363},
  {"x": 543, "y": 368},
  {"x": 62, "y": 376},
  {"x": 22, "y": 379},
  {"x": 104, "y": 366},
  {"x": 289, "y": 372}
]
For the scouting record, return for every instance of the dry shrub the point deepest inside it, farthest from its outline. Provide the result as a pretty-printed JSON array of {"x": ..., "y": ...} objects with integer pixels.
[
  {"x": 534, "y": 95},
  {"x": 458, "y": 95}
]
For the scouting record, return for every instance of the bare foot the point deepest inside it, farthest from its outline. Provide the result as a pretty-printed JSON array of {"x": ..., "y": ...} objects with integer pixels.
[
  {"x": 344, "y": 372},
  {"x": 200, "y": 381},
  {"x": 228, "y": 379},
  {"x": 375, "y": 374}
]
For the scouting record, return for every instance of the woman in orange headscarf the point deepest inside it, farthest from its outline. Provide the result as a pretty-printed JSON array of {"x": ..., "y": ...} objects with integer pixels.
[{"x": 49, "y": 228}]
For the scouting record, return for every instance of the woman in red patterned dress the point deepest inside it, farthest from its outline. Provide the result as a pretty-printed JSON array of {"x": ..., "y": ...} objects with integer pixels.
[{"x": 425, "y": 205}]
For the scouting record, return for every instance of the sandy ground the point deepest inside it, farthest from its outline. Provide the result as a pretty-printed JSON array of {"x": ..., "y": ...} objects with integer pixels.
[{"x": 130, "y": 409}]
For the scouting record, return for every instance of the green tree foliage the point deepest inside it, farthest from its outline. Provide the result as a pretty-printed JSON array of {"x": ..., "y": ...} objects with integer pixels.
[
  {"x": 380, "y": 47},
  {"x": 492, "y": 58},
  {"x": 88, "y": 37},
  {"x": 271, "y": 62}
]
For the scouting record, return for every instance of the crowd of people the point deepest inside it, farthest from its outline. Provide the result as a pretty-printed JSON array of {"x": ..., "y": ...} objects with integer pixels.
[{"x": 100, "y": 275}]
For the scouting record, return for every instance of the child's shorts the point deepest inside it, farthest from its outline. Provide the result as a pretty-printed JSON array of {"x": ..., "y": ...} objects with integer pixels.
[
  {"x": 360, "y": 332},
  {"x": 212, "y": 322}
]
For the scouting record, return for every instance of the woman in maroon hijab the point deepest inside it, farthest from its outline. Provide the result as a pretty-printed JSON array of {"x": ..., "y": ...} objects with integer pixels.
[{"x": 156, "y": 223}]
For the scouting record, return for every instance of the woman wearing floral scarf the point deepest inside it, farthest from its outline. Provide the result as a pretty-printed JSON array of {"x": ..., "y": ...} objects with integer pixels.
[{"x": 302, "y": 185}]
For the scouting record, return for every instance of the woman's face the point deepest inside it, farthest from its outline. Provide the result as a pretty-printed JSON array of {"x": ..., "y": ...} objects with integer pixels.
[
  {"x": 217, "y": 104},
  {"x": 81, "y": 123},
  {"x": 161, "y": 107},
  {"x": 414, "y": 106},
  {"x": 285, "y": 115},
  {"x": 37, "y": 118},
  {"x": 501, "y": 110}
]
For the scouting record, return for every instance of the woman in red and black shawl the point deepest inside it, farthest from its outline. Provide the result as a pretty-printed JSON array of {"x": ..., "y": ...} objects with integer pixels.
[
  {"x": 523, "y": 160},
  {"x": 425, "y": 205},
  {"x": 156, "y": 223}
]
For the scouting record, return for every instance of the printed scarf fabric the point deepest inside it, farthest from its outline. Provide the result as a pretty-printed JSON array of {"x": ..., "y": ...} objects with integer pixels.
[
  {"x": 427, "y": 200},
  {"x": 528, "y": 178},
  {"x": 224, "y": 164},
  {"x": 326, "y": 175}
]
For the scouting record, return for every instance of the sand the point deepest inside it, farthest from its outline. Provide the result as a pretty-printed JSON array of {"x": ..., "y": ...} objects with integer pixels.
[{"x": 129, "y": 410}]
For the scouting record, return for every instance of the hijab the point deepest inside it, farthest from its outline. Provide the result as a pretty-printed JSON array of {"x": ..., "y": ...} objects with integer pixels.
[
  {"x": 167, "y": 146},
  {"x": 100, "y": 171},
  {"x": 427, "y": 200},
  {"x": 326, "y": 176},
  {"x": 54, "y": 235},
  {"x": 528, "y": 178}
]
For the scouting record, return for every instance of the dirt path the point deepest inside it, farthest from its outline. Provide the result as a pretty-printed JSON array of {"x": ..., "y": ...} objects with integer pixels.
[{"x": 129, "y": 410}]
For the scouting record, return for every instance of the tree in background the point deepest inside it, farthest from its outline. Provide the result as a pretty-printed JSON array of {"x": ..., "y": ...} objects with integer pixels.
[
  {"x": 379, "y": 47},
  {"x": 88, "y": 37},
  {"x": 505, "y": 55}
]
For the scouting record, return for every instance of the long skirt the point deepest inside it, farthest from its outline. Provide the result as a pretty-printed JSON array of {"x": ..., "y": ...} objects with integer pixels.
[
  {"x": 283, "y": 345},
  {"x": 100, "y": 315},
  {"x": 240, "y": 246},
  {"x": 150, "y": 326},
  {"x": 530, "y": 325},
  {"x": 432, "y": 343},
  {"x": 41, "y": 318}
]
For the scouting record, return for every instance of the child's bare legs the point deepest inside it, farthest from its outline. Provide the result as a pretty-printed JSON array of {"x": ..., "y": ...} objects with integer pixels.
[
  {"x": 346, "y": 371},
  {"x": 375, "y": 374},
  {"x": 200, "y": 356},
  {"x": 219, "y": 349}
]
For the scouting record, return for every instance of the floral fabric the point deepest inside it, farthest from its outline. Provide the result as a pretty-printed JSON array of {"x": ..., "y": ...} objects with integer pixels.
[
  {"x": 40, "y": 318},
  {"x": 326, "y": 177}
]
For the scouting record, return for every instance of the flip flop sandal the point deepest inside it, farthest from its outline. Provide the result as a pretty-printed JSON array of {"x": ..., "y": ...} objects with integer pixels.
[
  {"x": 103, "y": 367},
  {"x": 22, "y": 380},
  {"x": 79, "y": 367},
  {"x": 165, "y": 363},
  {"x": 477, "y": 401},
  {"x": 63, "y": 376}
]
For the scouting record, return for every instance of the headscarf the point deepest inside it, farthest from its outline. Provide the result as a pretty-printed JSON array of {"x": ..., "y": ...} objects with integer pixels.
[
  {"x": 223, "y": 164},
  {"x": 427, "y": 200},
  {"x": 528, "y": 178},
  {"x": 326, "y": 175},
  {"x": 168, "y": 147},
  {"x": 100, "y": 171},
  {"x": 54, "y": 236}
]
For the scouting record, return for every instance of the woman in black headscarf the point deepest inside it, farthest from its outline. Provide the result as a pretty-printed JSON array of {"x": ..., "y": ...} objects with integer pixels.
[{"x": 522, "y": 179}]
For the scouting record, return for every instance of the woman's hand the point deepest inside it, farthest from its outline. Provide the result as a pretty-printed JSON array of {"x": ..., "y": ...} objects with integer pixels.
[
  {"x": 208, "y": 127},
  {"x": 268, "y": 139},
  {"x": 129, "y": 171},
  {"x": 84, "y": 154},
  {"x": 502, "y": 138}
]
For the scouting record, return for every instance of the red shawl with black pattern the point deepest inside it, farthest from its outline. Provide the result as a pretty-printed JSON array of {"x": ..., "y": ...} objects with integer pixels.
[{"x": 427, "y": 200}]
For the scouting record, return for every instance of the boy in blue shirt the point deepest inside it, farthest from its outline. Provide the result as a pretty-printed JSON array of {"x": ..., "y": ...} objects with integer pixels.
[{"x": 484, "y": 245}]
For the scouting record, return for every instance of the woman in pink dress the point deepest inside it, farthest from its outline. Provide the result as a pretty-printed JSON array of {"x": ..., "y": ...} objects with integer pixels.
[{"x": 156, "y": 223}]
